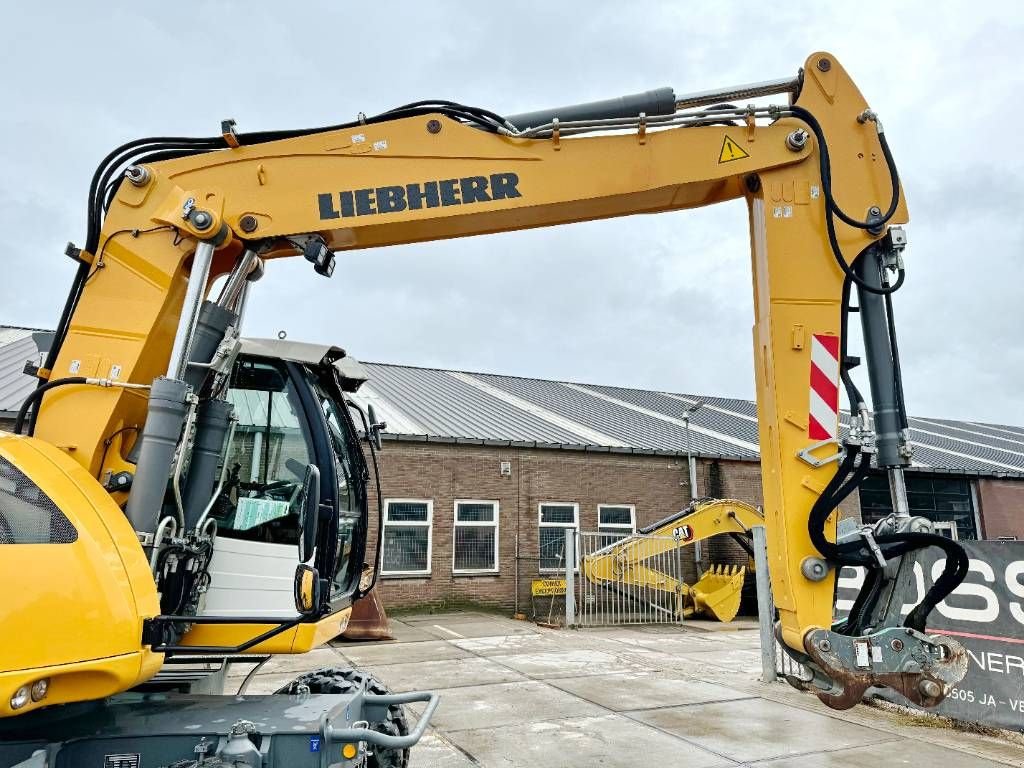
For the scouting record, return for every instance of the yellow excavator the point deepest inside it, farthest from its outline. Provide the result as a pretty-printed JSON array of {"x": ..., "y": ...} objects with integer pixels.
[
  {"x": 135, "y": 530},
  {"x": 631, "y": 565}
]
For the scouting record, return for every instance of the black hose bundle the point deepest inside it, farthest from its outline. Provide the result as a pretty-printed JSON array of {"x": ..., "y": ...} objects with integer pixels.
[
  {"x": 832, "y": 209},
  {"x": 852, "y": 471},
  {"x": 182, "y": 580},
  {"x": 109, "y": 174}
]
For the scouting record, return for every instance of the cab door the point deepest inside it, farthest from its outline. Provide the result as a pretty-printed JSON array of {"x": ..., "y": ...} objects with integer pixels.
[{"x": 258, "y": 509}]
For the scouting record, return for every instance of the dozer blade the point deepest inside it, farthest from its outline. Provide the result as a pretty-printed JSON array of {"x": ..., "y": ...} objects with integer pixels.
[{"x": 717, "y": 593}]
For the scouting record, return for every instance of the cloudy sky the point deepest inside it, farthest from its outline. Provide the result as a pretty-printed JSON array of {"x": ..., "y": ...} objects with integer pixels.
[{"x": 657, "y": 301}]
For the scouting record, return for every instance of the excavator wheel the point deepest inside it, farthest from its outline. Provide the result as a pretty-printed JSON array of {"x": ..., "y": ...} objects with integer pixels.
[{"x": 343, "y": 680}]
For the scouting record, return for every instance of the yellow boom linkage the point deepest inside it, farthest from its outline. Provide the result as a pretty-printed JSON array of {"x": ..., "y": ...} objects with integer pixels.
[
  {"x": 718, "y": 591},
  {"x": 190, "y": 210}
]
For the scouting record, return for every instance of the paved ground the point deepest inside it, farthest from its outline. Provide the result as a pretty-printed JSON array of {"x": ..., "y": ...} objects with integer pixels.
[{"x": 515, "y": 695}]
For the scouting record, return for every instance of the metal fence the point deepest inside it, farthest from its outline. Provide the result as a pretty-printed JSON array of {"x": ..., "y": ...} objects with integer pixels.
[{"x": 625, "y": 594}]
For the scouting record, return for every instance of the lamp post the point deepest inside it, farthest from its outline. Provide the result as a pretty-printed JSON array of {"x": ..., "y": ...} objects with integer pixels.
[{"x": 691, "y": 463}]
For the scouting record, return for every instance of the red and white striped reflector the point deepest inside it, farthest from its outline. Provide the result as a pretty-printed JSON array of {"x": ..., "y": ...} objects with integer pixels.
[{"x": 823, "y": 414}]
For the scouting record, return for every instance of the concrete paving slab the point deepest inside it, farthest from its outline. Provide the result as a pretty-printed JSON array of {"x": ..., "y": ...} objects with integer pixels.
[
  {"x": 742, "y": 637},
  {"x": 710, "y": 625},
  {"x": 446, "y": 673},
  {"x": 390, "y": 653},
  {"x": 675, "y": 644},
  {"x": 491, "y": 706},
  {"x": 430, "y": 618},
  {"x": 656, "y": 661},
  {"x": 891, "y": 753},
  {"x": 436, "y": 751},
  {"x": 738, "y": 659},
  {"x": 610, "y": 741},
  {"x": 487, "y": 627},
  {"x": 755, "y": 729},
  {"x": 644, "y": 690},
  {"x": 404, "y": 632},
  {"x": 511, "y": 645},
  {"x": 573, "y": 663}
]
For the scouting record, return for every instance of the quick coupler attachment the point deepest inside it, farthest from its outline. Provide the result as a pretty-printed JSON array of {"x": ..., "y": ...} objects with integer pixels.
[{"x": 919, "y": 666}]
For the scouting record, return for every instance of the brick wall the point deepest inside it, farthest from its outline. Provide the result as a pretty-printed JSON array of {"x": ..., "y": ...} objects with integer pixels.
[
  {"x": 655, "y": 485},
  {"x": 1002, "y": 507}
]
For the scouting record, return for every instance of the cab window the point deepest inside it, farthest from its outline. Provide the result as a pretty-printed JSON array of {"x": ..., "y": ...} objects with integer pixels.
[{"x": 268, "y": 457}]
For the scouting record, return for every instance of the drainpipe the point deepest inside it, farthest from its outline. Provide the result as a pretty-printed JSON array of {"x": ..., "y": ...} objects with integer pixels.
[{"x": 691, "y": 462}]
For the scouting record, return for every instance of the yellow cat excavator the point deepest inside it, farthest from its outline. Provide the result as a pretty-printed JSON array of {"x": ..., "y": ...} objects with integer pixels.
[
  {"x": 171, "y": 491},
  {"x": 631, "y": 565}
]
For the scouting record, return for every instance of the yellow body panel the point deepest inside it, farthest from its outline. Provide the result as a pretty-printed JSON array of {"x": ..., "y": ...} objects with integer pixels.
[
  {"x": 73, "y": 612},
  {"x": 299, "y": 639}
]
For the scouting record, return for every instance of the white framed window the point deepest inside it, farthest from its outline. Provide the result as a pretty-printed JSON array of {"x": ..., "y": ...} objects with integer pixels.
[
  {"x": 553, "y": 518},
  {"x": 408, "y": 525},
  {"x": 475, "y": 537},
  {"x": 615, "y": 521}
]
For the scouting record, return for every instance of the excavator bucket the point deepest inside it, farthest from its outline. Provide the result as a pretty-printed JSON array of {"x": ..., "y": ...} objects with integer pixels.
[{"x": 717, "y": 593}]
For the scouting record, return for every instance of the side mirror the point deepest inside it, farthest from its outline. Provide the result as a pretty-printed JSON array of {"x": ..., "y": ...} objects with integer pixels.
[
  {"x": 307, "y": 589},
  {"x": 309, "y": 512},
  {"x": 376, "y": 427}
]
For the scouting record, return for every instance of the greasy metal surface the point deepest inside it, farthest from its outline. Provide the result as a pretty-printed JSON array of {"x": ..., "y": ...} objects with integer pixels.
[{"x": 831, "y": 652}]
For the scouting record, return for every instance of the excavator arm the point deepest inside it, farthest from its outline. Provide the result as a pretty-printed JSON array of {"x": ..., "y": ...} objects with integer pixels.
[
  {"x": 824, "y": 204},
  {"x": 717, "y": 592}
]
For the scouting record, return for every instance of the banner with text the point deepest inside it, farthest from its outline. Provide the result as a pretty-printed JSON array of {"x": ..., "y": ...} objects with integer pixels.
[{"x": 986, "y": 615}]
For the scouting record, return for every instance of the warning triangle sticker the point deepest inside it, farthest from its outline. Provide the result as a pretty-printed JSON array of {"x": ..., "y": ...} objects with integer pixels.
[{"x": 731, "y": 151}]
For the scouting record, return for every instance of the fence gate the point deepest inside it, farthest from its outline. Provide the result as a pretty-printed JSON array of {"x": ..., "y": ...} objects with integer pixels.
[{"x": 619, "y": 595}]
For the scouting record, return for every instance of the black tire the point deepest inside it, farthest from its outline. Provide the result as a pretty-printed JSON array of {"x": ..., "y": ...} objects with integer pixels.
[{"x": 343, "y": 680}]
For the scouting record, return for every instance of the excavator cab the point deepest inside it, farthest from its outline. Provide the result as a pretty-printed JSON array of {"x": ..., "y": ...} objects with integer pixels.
[
  {"x": 292, "y": 428},
  {"x": 287, "y": 528}
]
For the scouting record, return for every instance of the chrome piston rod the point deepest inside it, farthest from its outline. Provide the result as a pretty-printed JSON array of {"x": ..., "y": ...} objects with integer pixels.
[
  {"x": 748, "y": 91},
  {"x": 190, "y": 309}
]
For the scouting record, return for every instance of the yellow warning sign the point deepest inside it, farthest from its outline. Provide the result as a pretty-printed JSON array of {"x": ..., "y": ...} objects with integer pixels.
[
  {"x": 547, "y": 587},
  {"x": 731, "y": 151}
]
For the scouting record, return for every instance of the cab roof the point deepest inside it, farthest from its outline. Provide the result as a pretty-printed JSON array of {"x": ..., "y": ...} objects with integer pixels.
[{"x": 351, "y": 371}]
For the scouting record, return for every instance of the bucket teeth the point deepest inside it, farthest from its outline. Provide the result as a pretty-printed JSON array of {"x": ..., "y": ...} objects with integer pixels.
[{"x": 717, "y": 593}]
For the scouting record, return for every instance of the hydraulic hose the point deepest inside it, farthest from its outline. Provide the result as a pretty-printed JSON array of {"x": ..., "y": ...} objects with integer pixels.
[
  {"x": 832, "y": 208},
  {"x": 843, "y": 483},
  {"x": 36, "y": 395}
]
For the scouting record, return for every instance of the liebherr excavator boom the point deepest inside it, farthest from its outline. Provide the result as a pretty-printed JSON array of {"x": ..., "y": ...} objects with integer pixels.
[{"x": 107, "y": 500}]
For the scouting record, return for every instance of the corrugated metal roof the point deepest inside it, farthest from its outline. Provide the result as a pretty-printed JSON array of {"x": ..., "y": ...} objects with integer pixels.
[
  {"x": 17, "y": 346},
  {"x": 458, "y": 406},
  {"x": 437, "y": 404}
]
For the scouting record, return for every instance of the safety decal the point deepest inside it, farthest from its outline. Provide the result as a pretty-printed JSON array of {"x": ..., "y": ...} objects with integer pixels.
[
  {"x": 823, "y": 415},
  {"x": 731, "y": 151}
]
